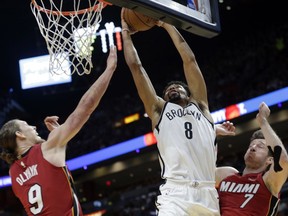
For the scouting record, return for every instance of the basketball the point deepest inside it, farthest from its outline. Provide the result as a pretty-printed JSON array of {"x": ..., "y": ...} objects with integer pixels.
[{"x": 137, "y": 21}]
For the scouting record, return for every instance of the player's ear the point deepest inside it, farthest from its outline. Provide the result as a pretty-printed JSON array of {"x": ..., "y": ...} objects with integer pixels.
[
  {"x": 270, "y": 160},
  {"x": 19, "y": 134}
]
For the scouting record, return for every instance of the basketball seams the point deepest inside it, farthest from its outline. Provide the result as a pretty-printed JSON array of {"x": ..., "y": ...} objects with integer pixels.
[
  {"x": 145, "y": 22},
  {"x": 128, "y": 19},
  {"x": 137, "y": 21}
]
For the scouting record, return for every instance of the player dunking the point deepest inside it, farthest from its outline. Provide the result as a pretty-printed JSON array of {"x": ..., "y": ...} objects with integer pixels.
[
  {"x": 184, "y": 130},
  {"x": 256, "y": 190},
  {"x": 40, "y": 178}
]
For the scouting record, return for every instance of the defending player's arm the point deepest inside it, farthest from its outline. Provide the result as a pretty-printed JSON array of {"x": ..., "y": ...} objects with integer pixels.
[
  {"x": 59, "y": 137},
  {"x": 145, "y": 89},
  {"x": 226, "y": 128},
  {"x": 51, "y": 122},
  {"x": 223, "y": 172},
  {"x": 192, "y": 71},
  {"x": 274, "y": 180}
]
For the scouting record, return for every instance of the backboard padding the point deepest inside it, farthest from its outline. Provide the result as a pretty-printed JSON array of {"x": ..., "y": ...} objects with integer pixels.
[{"x": 176, "y": 14}]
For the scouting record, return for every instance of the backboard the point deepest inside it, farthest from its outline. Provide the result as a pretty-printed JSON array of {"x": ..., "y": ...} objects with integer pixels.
[{"x": 204, "y": 21}]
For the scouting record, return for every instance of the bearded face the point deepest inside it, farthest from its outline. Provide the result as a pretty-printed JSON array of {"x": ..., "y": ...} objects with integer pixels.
[
  {"x": 175, "y": 93},
  {"x": 174, "y": 96}
]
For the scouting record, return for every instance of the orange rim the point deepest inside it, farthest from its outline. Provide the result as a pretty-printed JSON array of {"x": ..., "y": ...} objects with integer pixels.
[{"x": 68, "y": 13}]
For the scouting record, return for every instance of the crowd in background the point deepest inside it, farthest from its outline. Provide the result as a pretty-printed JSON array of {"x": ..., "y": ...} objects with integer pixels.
[{"x": 253, "y": 66}]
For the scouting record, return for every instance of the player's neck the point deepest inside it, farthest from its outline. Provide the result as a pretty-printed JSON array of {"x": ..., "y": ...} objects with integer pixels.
[
  {"x": 182, "y": 103},
  {"x": 248, "y": 170},
  {"x": 22, "y": 150}
]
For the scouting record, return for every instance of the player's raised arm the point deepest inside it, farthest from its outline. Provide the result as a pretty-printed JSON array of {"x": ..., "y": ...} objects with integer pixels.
[
  {"x": 192, "y": 71},
  {"x": 142, "y": 81},
  {"x": 278, "y": 172},
  {"x": 59, "y": 137}
]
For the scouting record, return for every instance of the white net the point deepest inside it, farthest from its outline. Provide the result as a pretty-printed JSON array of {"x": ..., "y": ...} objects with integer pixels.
[{"x": 69, "y": 29}]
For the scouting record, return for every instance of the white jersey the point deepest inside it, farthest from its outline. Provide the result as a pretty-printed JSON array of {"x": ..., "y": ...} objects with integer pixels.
[{"x": 186, "y": 144}]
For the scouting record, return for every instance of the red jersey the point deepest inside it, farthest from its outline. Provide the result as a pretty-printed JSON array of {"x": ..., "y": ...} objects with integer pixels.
[
  {"x": 43, "y": 188},
  {"x": 246, "y": 196}
]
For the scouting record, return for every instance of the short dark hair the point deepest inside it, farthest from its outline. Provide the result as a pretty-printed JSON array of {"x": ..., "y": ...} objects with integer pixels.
[
  {"x": 8, "y": 142},
  {"x": 175, "y": 82},
  {"x": 257, "y": 135}
]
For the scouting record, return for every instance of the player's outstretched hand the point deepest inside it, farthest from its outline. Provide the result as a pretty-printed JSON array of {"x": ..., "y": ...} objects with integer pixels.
[
  {"x": 160, "y": 23},
  {"x": 263, "y": 114},
  {"x": 51, "y": 122},
  {"x": 112, "y": 58},
  {"x": 225, "y": 129},
  {"x": 125, "y": 26}
]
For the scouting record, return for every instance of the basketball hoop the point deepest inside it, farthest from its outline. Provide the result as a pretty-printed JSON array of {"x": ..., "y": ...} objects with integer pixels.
[{"x": 69, "y": 29}]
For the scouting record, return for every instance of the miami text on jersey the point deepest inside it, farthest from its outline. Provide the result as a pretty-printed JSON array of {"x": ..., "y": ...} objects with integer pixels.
[{"x": 239, "y": 188}]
